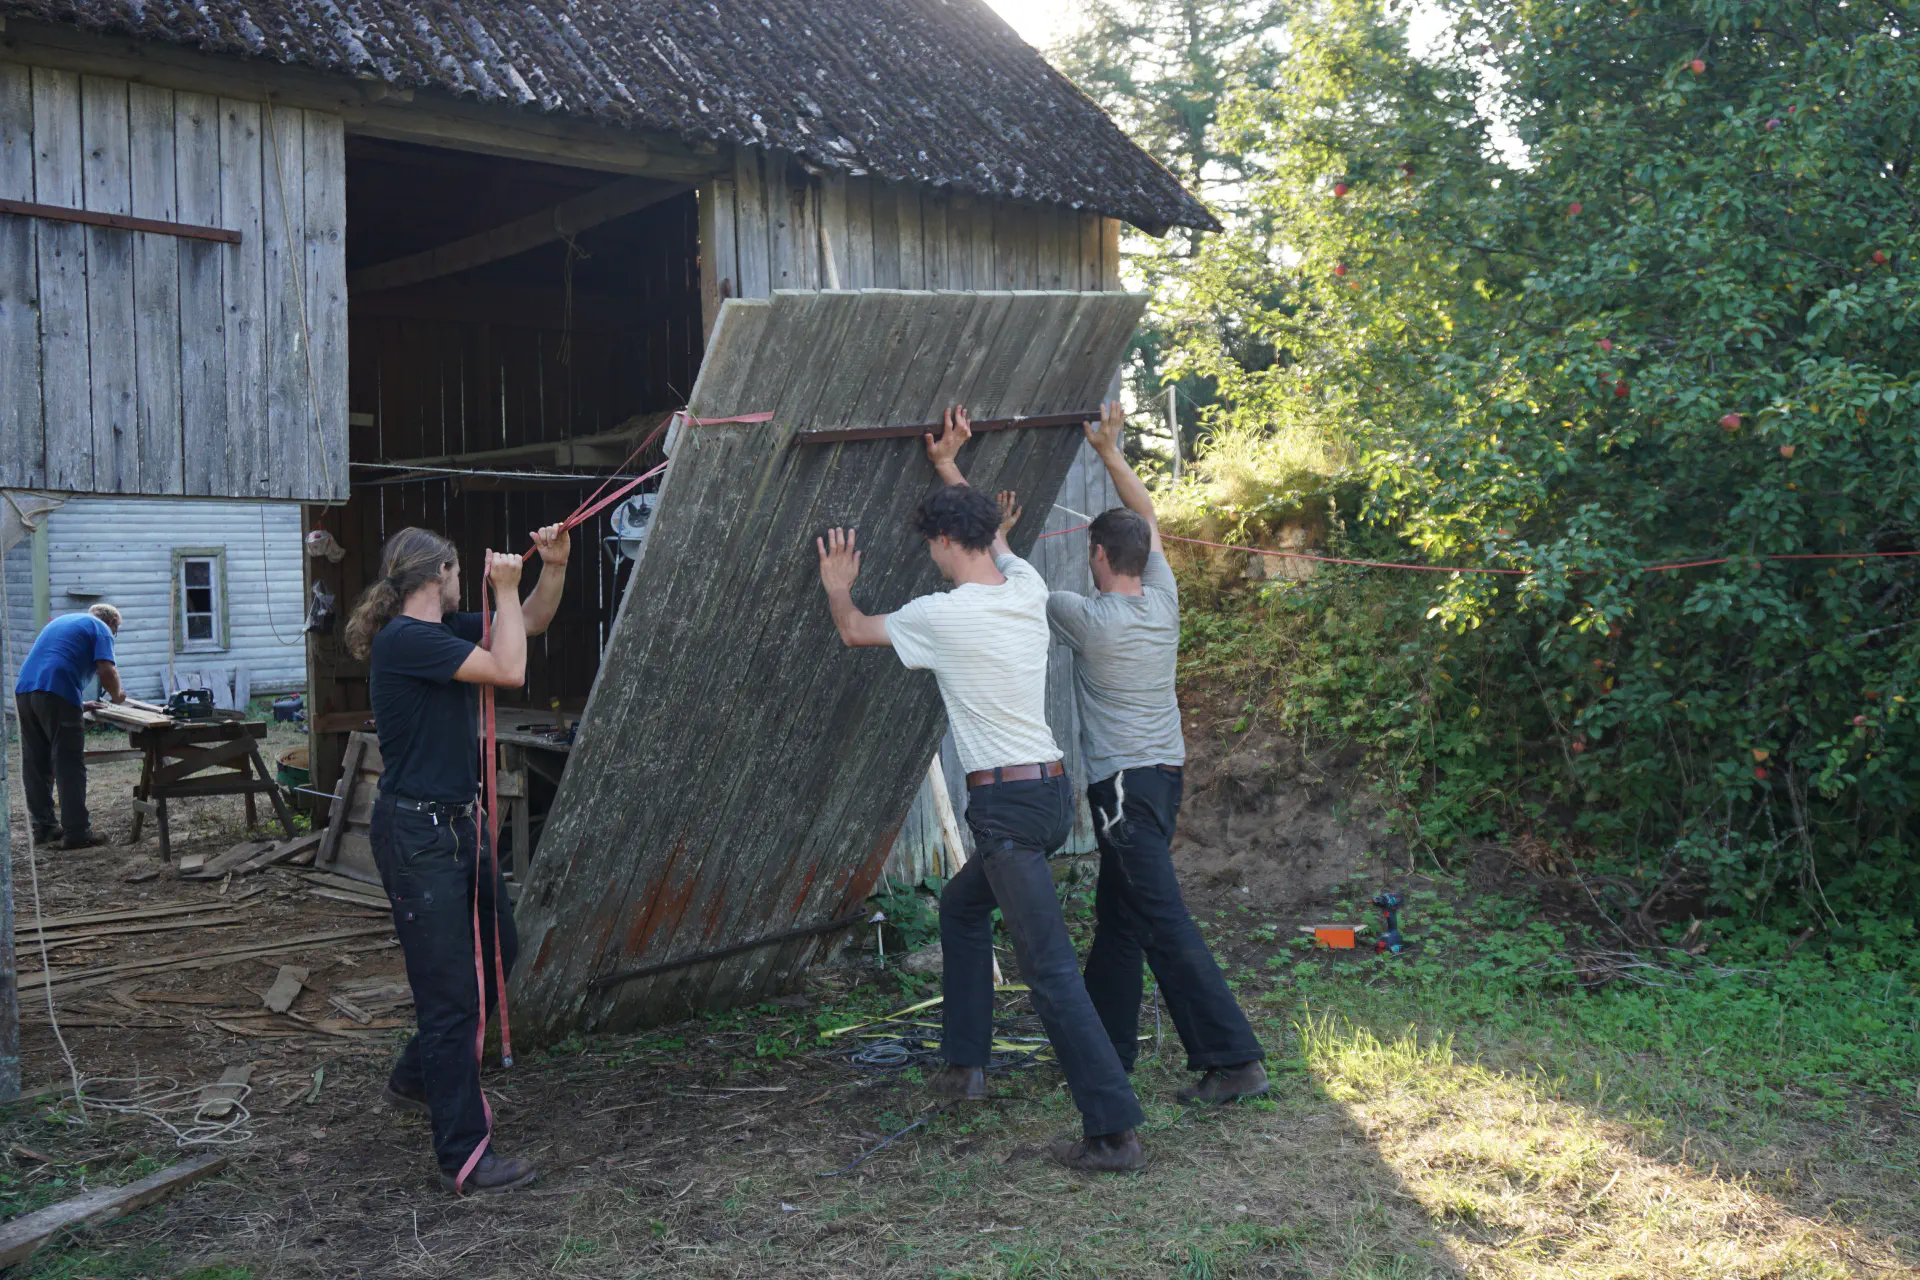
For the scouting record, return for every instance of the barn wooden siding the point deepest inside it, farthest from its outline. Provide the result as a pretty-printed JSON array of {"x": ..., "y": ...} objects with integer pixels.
[
  {"x": 771, "y": 224},
  {"x": 134, "y": 362},
  {"x": 120, "y": 550},
  {"x": 776, "y": 805}
]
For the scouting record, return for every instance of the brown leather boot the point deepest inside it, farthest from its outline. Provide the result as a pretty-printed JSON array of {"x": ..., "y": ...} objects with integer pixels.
[
  {"x": 1225, "y": 1084},
  {"x": 963, "y": 1084},
  {"x": 1101, "y": 1153},
  {"x": 493, "y": 1173}
]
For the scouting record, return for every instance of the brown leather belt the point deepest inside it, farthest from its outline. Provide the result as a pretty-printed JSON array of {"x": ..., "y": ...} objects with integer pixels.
[{"x": 1016, "y": 773}]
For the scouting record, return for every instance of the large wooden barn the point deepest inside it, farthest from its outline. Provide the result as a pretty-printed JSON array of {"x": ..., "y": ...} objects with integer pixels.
[{"x": 448, "y": 263}]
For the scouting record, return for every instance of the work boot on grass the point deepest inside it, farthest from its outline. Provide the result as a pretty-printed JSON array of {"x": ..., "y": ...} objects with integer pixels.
[
  {"x": 405, "y": 1099},
  {"x": 1226, "y": 1084},
  {"x": 493, "y": 1173},
  {"x": 85, "y": 840},
  {"x": 1103, "y": 1153},
  {"x": 48, "y": 835},
  {"x": 962, "y": 1084}
]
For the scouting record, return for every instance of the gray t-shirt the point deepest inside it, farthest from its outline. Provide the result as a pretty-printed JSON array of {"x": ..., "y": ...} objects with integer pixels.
[{"x": 1127, "y": 648}]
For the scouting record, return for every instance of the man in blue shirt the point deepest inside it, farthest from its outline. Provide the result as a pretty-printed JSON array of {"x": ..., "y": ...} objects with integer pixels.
[{"x": 72, "y": 649}]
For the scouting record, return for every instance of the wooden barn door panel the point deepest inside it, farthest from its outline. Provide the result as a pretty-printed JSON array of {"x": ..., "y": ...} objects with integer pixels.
[{"x": 739, "y": 773}]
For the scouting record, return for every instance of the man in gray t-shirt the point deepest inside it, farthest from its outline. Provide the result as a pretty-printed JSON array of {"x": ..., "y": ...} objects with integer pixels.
[{"x": 1127, "y": 641}]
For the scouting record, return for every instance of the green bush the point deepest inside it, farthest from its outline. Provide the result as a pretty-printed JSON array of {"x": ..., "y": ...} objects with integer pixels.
[{"x": 1672, "y": 319}]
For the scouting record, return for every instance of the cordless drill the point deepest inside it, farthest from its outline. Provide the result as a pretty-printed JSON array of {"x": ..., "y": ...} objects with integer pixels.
[{"x": 1390, "y": 940}]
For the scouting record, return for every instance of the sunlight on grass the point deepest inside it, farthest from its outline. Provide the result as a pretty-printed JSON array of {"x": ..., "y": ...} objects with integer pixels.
[{"x": 1522, "y": 1183}]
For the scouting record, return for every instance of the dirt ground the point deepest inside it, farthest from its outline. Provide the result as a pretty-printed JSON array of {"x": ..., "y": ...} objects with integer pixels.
[{"x": 740, "y": 1145}]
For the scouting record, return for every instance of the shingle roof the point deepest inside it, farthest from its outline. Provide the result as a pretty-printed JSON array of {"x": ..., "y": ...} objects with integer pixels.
[{"x": 937, "y": 92}]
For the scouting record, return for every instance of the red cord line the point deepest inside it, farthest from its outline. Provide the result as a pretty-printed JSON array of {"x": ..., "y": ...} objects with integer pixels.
[{"x": 1521, "y": 573}]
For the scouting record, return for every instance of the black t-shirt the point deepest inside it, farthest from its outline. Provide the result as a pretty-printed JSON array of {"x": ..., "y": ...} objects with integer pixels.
[{"x": 428, "y": 721}]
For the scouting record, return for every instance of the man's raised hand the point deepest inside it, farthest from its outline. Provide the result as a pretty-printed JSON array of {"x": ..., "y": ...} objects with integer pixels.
[
  {"x": 503, "y": 571},
  {"x": 554, "y": 543},
  {"x": 1105, "y": 438},
  {"x": 839, "y": 561},
  {"x": 942, "y": 452},
  {"x": 1009, "y": 510}
]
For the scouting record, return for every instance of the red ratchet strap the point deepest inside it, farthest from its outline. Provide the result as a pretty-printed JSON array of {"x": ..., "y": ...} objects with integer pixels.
[
  {"x": 1446, "y": 568},
  {"x": 595, "y": 503},
  {"x": 489, "y": 772}
]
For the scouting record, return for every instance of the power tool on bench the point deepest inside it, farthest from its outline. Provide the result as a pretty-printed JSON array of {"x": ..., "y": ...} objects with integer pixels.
[
  {"x": 1390, "y": 942},
  {"x": 191, "y": 704}
]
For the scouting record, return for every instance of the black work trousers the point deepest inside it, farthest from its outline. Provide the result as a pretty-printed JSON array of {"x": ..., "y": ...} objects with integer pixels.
[
  {"x": 427, "y": 864},
  {"x": 1015, "y": 826},
  {"x": 1138, "y": 912},
  {"x": 53, "y": 747}
]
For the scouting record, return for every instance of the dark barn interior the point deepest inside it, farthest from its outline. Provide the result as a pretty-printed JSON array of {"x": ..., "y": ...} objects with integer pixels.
[{"x": 492, "y": 385}]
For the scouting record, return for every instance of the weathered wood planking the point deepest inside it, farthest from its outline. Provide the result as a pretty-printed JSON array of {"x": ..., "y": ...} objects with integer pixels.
[
  {"x": 139, "y": 362},
  {"x": 739, "y": 772},
  {"x": 22, "y": 441},
  {"x": 880, "y": 234}
]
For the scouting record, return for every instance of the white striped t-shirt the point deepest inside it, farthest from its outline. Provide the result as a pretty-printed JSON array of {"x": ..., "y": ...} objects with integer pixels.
[{"x": 987, "y": 646}]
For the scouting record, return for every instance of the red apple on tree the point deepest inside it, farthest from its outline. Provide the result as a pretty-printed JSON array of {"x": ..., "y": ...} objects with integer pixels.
[
  {"x": 1339, "y": 188},
  {"x": 1773, "y": 124},
  {"x": 1730, "y": 421},
  {"x": 1339, "y": 268},
  {"x": 1759, "y": 773},
  {"x": 1620, "y": 388},
  {"x": 1573, "y": 210},
  {"x": 1606, "y": 344},
  {"x": 1879, "y": 258},
  {"x": 1698, "y": 66},
  {"x": 1577, "y": 746},
  {"x": 1859, "y": 721},
  {"x": 1786, "y": 451}
]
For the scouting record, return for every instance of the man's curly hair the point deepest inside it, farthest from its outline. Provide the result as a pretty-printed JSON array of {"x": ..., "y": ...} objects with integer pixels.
[{"x": 960, "y": 512}]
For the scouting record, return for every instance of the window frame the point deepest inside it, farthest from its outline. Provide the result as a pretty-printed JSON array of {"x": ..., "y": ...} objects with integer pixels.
[{"x": 222, "y": 639}]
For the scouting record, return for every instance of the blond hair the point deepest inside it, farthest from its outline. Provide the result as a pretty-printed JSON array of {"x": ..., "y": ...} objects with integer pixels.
[{"x": 107, "y": 614}]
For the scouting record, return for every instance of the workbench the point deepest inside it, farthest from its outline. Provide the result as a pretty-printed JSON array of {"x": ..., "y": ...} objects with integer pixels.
[
  {"x": 528, "y": 748},
  {"x": 176, "y": 759}
]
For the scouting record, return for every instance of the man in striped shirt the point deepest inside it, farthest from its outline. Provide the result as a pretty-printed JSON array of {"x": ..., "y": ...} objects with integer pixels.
[{"x": 986, "y": 643}]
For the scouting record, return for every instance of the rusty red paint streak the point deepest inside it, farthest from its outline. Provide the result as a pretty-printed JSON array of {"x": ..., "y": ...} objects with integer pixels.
[
  {"x": 858, "y": 882},
  {"x": 665, "y": 905},
  {"x": 800, "y": 898}
]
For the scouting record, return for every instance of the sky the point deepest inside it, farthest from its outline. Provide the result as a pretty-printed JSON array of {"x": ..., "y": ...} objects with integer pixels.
[{"x": 1039, "y": 22}]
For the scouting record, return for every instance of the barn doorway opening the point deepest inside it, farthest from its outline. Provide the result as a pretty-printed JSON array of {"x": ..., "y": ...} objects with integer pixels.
[{"x": 515, "y": 329}]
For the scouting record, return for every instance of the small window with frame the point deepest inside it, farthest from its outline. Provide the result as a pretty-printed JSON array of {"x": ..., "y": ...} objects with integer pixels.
[{"x": 200, "y": 599}]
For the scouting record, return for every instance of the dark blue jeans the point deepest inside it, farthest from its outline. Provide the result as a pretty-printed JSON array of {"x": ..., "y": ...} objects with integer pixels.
[
  {"x": 428, "y": 868},
  {"x": 53, "y": 745},
  {"x": 1138, "y": 912},
  {"x": 1015, "y": 826}
]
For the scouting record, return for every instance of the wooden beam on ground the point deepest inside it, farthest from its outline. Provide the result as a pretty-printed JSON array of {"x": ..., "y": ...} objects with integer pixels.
[
  {"x": 565, "y": 220},
  {"x": 20, "y": 1238},
  {"x": 217, "y": 1101},
  {"x": 286, "y": 988}
]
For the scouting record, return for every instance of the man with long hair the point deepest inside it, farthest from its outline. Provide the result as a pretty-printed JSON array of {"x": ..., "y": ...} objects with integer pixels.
[
  {"x": 1126, "y": 641},
  {"x": 428, "y": 833},
  {"x": 986, "y": 643}
]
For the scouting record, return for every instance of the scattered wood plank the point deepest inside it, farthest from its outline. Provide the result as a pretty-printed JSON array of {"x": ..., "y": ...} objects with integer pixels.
[
  {"x": 141, "y": 877},
  {"x": 80, "y": 980},
  {"x": 282, "y": 852},
  {"x": 286, "y": 988},
  {"x": 220, "y": 864},
  {"x": 351, "y": 1009},
  {"x": 23, "y": 923},
  {"x": 20, "y": 1238},
  {"x": 355, "y": 899},
  {"x": 217, "y": 1101},
  {"x": 247, "y": 1032},
  {"x": 190, "y": 864},
  {"x": 330, "y": 881},
  {"x": 182, "y": 997},
  {"x": 213, "y": 920}
]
